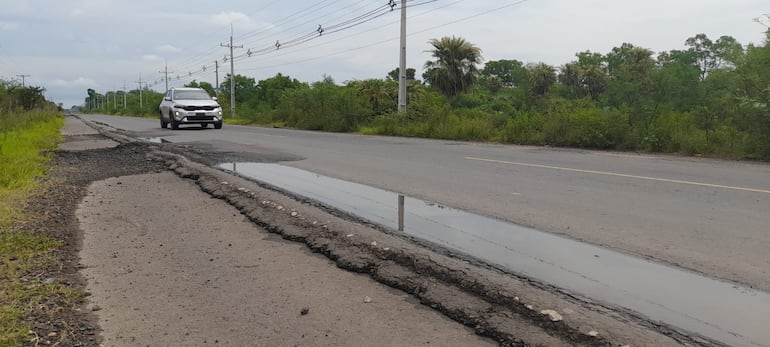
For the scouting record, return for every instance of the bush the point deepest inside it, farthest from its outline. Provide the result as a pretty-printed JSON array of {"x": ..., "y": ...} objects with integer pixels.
[
  {"x": 525, "y": 128},
  {"x": 324, "y": 107},
  {"x": 581, "y": 123}
]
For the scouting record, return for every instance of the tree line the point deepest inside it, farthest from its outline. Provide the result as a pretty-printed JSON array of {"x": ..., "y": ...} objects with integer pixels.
[{"x": 709, "y": 98}]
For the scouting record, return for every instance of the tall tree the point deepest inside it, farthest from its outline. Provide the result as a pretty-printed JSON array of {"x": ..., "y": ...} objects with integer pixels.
[
  {"x": 586, "y": 76},
  {"x": 245, "y": 88},
  {"x": 410, "y": 74},
  {"x": 728, "y": 52},
  {"x": 542, "y": 77},
  {"x": 700, "y": 46},
  {"x": 453, "y": 69},
  {"x": 512, "y": 73},
  {"x": 270, "y": 90}
]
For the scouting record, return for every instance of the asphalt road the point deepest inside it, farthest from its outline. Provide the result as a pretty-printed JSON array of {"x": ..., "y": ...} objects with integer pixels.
[{"x": 712, "y": 216}]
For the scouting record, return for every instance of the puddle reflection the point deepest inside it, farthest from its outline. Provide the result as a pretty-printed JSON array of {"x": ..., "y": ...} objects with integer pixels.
[{"x": 716, "y": 309}]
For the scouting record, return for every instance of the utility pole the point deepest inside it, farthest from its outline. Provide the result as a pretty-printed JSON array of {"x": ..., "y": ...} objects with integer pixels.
[
  {"x": 216, "y": 74},
  {"x": 124, "y": 94},
  {"x": 22, "y": 79},
  {"x": 140, "y": 91},
  {"x": 402, "y": 62},
  {"x": 166, "y": 72},
  {"x": 232, "y": 71}
]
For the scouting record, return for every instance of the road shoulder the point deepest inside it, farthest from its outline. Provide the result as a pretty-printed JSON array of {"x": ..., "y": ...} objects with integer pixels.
[{"x": 166, "y": 264}]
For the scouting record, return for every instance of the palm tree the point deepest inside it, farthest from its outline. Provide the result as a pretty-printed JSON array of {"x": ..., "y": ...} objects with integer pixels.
[
  {"x": 454, "y": 68},
  {"x": 542, "y": 77}
]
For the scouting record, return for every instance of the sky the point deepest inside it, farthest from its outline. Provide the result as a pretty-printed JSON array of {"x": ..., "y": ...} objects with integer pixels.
[{"x": 68, "y": 46}]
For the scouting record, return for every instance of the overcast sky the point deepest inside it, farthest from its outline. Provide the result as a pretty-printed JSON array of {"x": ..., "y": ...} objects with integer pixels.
[{"x": 69, "y": 46}]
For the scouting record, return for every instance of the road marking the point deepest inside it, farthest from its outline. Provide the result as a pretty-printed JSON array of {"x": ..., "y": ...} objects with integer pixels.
[
  {"x": 621, "y": 175},
  {"x": 271, "y": 135}
]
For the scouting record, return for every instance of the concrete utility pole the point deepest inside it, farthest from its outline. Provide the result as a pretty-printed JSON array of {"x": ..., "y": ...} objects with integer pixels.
[
  {"x": 140, "y": 91},
  {"x": 216, "y": 74},
  {"x": 165, "y": 72},
  {"x": 402, "y": 62},
  {"x": 124, "y": 94},
  {"x": 232, "y": 70},
  {"x": 22, "y": 79}
]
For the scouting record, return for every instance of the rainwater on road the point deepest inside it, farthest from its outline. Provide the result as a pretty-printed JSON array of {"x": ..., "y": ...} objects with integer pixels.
[{"x": 716, "y": 309}]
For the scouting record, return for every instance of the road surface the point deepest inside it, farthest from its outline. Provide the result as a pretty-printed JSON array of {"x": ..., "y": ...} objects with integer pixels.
[{"x": 712, "y": 216}]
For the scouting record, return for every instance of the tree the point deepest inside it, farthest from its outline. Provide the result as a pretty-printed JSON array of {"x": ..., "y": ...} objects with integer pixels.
[
  {"x": 728, "y": 52},
  {"x": 380, "y": 95},
  {"x": 710, "y": 55},
  {"x": 541, "y": 77},
  {"x": 700, "y": 46},
  {"x": 203, "y": 85},
  {"x": 511, "y": 73},
  {"x": 629, "y": 85},
  {"x": 394, "y": 74},
  {"x": 453, "y": 69},
  {"x": 629, "y": 62},
  {"x": 586, "y": 76},
  {"x": 270, "y": 90},
  {"x": 245, "y": 88}
]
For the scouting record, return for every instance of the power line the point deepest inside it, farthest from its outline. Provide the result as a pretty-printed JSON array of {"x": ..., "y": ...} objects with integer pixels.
[
  {"x": 369, "y": 30},
  {"x": 320, "y": 31},
  {"x": 264, "y": 28},
  {"x": 395, "y": 38}
]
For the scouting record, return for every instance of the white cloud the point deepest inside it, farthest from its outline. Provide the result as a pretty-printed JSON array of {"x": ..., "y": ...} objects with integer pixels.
[
  {"x": 76, "y": 12},
  {"x": 168, "y": 49},
  {"x": 150, "y": 57},
  {"x": 78, "y": 82},
  {"x": 237, "y": 19}
]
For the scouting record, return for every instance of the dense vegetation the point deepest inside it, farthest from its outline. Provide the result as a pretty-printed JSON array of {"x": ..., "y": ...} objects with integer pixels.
[
  {"x": 131, "y": 103},
  {"x": 711, "y": 98},
  {"x": 29, "y": 130}
]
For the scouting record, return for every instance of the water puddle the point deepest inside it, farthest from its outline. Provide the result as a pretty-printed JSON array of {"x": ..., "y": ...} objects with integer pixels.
[
  {"x": 719, "y": 310},
  {"x": 156, "y": 140}
]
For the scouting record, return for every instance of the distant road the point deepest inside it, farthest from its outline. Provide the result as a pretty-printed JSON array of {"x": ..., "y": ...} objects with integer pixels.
[{"x": 711, "y": 216}]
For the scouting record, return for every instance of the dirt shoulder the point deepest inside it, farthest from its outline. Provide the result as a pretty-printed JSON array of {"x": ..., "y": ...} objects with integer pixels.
[
  {"x": 168, "y": 265},
  {"x": 203, "y": 257}
]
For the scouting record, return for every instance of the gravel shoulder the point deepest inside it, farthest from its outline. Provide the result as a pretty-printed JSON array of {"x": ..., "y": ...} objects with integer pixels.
[{"x": 196, "y": 256}]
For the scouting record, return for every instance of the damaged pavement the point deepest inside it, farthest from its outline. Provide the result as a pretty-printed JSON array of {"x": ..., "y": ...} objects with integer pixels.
[{"x": 175, "y": 252}]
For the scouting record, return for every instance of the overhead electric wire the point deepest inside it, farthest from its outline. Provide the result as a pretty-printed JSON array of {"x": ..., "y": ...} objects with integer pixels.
[
  {"x": 363, "y": 32},
  {"x": 264, "y": 29},
  {"x": 369, "y": 16},
  {"x": 360, "y": 19},
  {"x": 343, "y": 25},
  {"x": 284, "y": 20},
  {"x": 319, "y": 20},
  {"x": 395, "y": 38}
]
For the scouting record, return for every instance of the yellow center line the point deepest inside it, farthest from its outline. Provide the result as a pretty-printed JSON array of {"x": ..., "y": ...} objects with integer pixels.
[{"x": 621, "y": 175}]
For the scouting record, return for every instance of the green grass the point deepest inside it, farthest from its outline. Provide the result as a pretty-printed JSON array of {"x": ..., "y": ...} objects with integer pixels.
[{"x": 26, "y": 138}]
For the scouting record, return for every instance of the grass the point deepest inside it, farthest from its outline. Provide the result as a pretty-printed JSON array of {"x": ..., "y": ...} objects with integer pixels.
[{"x": 26, "y": 138}]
